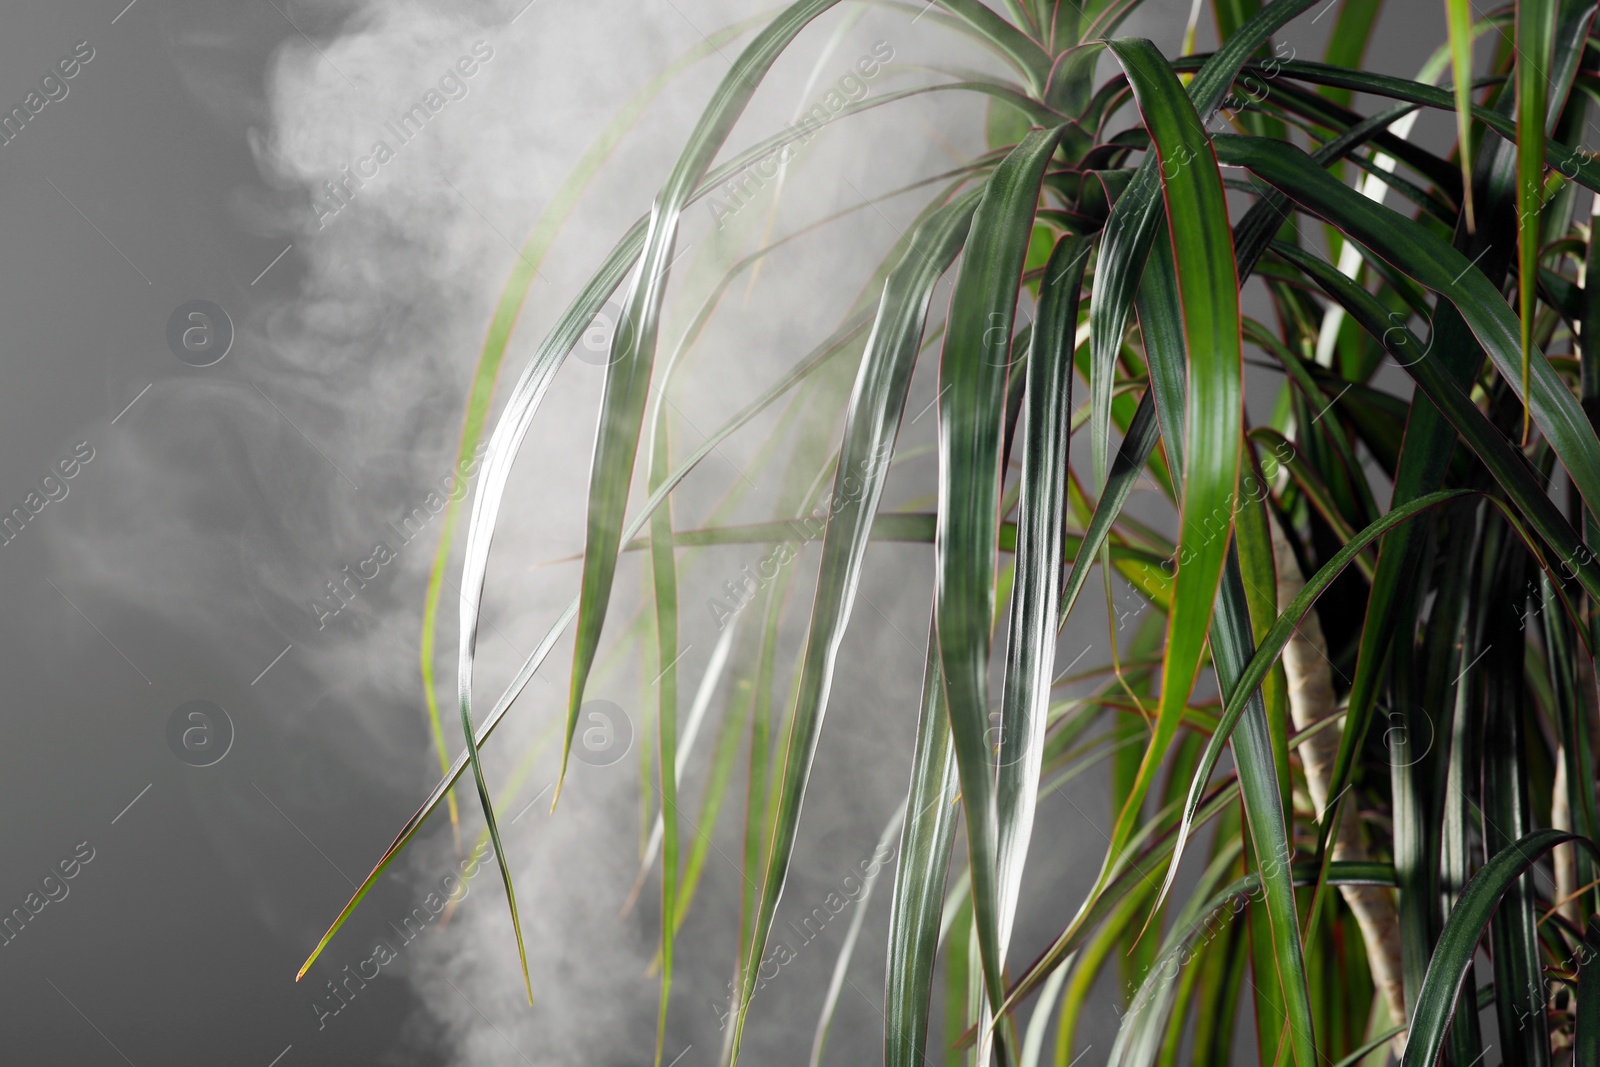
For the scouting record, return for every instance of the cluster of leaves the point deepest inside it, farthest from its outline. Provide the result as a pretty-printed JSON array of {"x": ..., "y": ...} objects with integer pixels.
[{"x": 1458, "y": 621}]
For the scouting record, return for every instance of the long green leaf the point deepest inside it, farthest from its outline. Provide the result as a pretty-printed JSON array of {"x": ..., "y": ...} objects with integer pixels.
[
  {"x": 1132, "y": 224},
  {"x": 515, "y": 422},
  {"x": 1207, "y": 284},
  {"x": 1505, "y": 462},
  {"x": 1458, "y": 16},
  {"x": 973, "y": 370},
  {"x": 650, "y": 242},
  {"x": 632, "y": 355},
  {"x": 1535, "y": 40},
  {"x": 871, "y": 422},
  {"x": 508, "y": 309},
  {"x": 925, "y": 842},
  {"x": 664, "y": 587},
  {"x": 497, "y": 464},
  {"x": 1431, "y": 261},
  {"x": 507, "y": 436},
  {"x": 1463, "y": 930},
  {"x": 1208, "y": 289},
  {"x": 1041, "y": 535},
  {"x": 1573, "y": 163},
  {"x": 1260, "y": 751},
  {"x": 1272, "y": 646}
]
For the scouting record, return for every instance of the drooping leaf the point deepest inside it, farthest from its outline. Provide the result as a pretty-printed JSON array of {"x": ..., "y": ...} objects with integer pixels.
[
  {"x": 1041, "y": 536},
  {"x": 1435, "y": 264},
  {"x": 1207, "y": 283},
  {"x": 632, "y": 355},
  {"x": 1436, "y": 1005},
  {"x": 508, "y": 435},
  {"x": 508, "y": 309},
  {"x": 924, "y": 864},
  {"x": 1131, "y": 226},
  {"x": 1573, "y": 163},
  {"x": 524, "y": 402},
  {"x": 972, "y": 381},
  {"x": 873, "y": 418},
  {"x": 664, "y": 590},
  {"x": 1207, "y": 287},
  {"x": 1509, "y": 467}
]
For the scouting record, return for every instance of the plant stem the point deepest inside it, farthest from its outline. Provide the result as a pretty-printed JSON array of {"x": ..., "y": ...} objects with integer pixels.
[{"x": 1311, "y": 699}]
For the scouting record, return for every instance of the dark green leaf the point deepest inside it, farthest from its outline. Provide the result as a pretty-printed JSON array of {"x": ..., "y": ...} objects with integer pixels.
[{"x": 1463, "y": 930}]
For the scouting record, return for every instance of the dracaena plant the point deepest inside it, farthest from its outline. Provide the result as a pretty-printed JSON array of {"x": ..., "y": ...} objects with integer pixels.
[{"x": 1386, "y": 573}]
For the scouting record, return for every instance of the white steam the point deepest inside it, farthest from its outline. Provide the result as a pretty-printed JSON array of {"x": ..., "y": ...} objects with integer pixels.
[{"x": 411, "y": 145}]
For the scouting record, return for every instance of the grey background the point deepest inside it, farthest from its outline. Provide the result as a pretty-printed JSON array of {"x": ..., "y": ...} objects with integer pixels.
[{"x": 179, "y": 566}]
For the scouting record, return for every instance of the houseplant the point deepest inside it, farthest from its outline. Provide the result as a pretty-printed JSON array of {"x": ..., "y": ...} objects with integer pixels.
[{"x": 1406, "y": 690}]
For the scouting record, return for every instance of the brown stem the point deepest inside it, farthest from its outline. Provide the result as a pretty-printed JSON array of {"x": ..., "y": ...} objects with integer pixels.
[{"x": 1310, "y": 690}]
